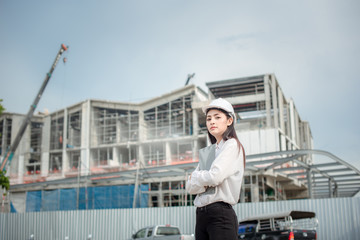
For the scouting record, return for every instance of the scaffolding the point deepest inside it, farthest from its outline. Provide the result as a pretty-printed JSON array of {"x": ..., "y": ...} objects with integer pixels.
[
  {"x": 172, "y": 119},
  {"x": 115, "y": 126}
]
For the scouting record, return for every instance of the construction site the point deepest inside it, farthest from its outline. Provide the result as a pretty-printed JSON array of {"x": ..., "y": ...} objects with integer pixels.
[{"x": 99, "y": 154}]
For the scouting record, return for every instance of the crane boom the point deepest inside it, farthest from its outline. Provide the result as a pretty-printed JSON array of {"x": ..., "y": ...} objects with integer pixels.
[
  {"x": 190, "y": 76},
  {"x": 10, "y": 152}
]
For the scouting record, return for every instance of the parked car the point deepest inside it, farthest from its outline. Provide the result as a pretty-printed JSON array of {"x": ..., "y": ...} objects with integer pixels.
[
  {"x": 291, "y": 225},
  {"x": 161, "y": 232}
]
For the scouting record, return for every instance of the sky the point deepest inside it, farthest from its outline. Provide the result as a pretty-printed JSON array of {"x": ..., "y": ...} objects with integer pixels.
[{"x": 131, "y": 51}]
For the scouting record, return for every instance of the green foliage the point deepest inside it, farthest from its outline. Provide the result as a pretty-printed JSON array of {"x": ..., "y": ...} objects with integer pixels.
[
  {"x": 4, "y": 180},
  {"x": 1, "y": 107}
]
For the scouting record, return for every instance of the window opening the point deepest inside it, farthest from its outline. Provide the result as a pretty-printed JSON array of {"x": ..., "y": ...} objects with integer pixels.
[
  {"x": 102, "y": 156},
  {"x": 154, "y": 154},
  {"x": 55, "y": 164},
  {"x": 33, "y": 164},
  {"x": 170, "y": 119},
  {"x": 182, "y": 152},
  {"x": 127, "y": 156},
  {"x": 74, "y": 130},
  {"x": 74, "y": 160},
  {"x": 56, "y": 135},
  {"x": 35, "y": 138},
  {"x": 115, "y": 126}
]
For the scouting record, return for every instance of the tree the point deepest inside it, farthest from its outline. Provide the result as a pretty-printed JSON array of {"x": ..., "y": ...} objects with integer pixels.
[
  {"x": 4, "y": 180},
  {"x": 1, "y": 107}
]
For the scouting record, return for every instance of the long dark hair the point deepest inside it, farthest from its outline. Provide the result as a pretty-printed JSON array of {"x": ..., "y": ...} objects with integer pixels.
[{"x": 229, "y": 133}]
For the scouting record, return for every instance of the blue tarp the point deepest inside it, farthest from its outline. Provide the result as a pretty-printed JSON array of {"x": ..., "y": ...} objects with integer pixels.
[
  {"x": 89, "y": 198},
  {"x": 33, "y": 201},
  {"x": 86, "y": 203},
  {"x": 50, "y": 200},
  {"x": 68, "y": 199},
  {"x": 12, "y": 208}
]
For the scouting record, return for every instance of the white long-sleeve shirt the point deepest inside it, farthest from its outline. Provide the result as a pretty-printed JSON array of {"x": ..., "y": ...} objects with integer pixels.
[{"x": 225, "y": 174}]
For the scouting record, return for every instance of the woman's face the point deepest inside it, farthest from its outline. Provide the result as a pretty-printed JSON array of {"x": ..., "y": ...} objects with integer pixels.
[{"x": 217, "y": 123}]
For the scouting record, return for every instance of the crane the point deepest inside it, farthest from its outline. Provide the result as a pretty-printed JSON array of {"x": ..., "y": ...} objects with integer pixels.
[
  {"x": 11, "y": 150},
  {"x": 190, "y": 76}
]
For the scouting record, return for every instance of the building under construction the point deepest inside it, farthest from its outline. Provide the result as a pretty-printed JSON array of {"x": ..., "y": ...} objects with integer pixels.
[{"x": 101, "y": 154}]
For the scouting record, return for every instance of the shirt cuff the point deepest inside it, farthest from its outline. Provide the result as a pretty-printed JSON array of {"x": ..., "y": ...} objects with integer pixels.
[{"x": 193, "y": 186}]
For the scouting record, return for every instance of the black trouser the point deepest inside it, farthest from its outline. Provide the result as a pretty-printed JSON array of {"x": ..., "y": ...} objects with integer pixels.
[{"x": 216, "y": 221}]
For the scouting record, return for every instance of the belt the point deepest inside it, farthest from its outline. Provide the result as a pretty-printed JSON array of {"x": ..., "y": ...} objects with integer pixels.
[{"x": 211, "y": 205}]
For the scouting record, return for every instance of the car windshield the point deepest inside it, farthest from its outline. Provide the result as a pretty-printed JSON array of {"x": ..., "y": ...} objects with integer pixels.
[{"x": 167, "y": 231}]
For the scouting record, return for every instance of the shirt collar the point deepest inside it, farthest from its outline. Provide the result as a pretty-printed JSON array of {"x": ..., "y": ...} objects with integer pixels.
[{"x": 220, "y": 144}]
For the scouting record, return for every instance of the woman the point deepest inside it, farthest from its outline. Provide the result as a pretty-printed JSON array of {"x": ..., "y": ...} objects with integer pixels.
[{"x": 217, "y": 179}]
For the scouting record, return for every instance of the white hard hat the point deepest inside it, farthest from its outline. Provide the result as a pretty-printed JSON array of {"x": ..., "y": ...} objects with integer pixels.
[{"x": 222, "y": 104}]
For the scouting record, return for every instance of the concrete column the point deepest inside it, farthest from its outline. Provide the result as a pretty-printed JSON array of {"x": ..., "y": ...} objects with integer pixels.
[
  {"x": 288, "y": 125},
  {"x": 274, "y": 101},
  {"x": 330, "y": 189},
  {"x": 136, "y": 184},
  {"x": 309, "y": 182},
  {"x": 281, "y": 119},
  {"x": 23, "y": 152},
  {"x": 116, "y": 153},
  {"x": 142, "y": 129},
  {"x": 142, "y": 137},
  {"x": 118, "y": 132},
  {"x": 167, "y": 153},
  {"x": 85, "y": 138},
  {"x": 65, "y": 160},
  {"x": 242, "y": 193},
  {"x": 169, "y": 117},
  {"x": 267, "y": 100},
  {"x": 160, "y": 196},
  {"x": 195, "y": 127},
  {"x": 276, "y": 195},
  {"x": 24, "y": 148},
  {"x": 297, "y": 127},
  {"x": 263, "y": 188},
  {"x": 21, "y": 169},
  {"x": 335, "y": 190},
  {"x": 45, "y": 146},
  {"x": 184, "y": 115},
  {"x": 292, "y": 120},
  {"x": 140, "y": 158},
  {"x": 156, "y": 133},
  {"x": 254, "y": 189},
  {"x": 195, "y": 150},
  {"x": 281, "y": 109},
  {"x": 195, "y": 122}
]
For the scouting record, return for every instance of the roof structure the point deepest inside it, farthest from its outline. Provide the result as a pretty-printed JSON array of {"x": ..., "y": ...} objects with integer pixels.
[{"x": 329, "y": 176}]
